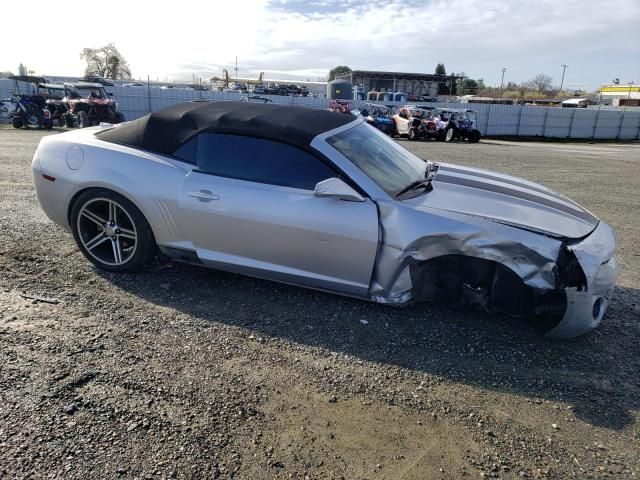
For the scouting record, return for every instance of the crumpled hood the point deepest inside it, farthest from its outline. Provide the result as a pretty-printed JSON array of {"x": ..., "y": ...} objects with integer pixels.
[{"x": 506, "y": 199}]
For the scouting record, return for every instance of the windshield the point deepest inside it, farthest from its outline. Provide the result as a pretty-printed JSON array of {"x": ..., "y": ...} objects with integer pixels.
[
  {"x": 389, "y": 165},
  {"x": 93, "y": 92},
  {"x": 55, "y": 93}
]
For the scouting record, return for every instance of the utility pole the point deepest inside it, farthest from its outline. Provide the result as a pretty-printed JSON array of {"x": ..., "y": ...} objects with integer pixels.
[
  {"x": 236, "y": 69},
  {"x": 502, "y": 81},
  {"x": 564, "y": 67}
]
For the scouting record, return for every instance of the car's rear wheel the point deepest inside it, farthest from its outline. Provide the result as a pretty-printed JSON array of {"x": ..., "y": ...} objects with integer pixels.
[
  {"x": 119, "y": 117},
  {"x": 83, "y": 119},
  {"x": 111, "y": 231},
  {"x": 16, "y": 121}
]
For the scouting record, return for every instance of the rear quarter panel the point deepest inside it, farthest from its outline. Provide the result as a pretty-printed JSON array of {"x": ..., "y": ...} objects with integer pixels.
[{"x": 79, "y": 160}]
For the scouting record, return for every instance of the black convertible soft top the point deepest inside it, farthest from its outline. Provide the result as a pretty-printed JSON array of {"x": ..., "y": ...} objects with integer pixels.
[{"x": 165, "y": 130}]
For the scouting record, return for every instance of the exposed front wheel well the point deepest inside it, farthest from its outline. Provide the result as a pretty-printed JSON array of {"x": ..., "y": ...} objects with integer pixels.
[
  {"x": 488, "y": 285},
  {"x": 475, "y": 281}
]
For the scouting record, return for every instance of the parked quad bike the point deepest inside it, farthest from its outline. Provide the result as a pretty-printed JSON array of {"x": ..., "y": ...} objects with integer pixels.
[
  {"x": 378, "y": 116},
  {"x": 30, "y": 108},
  {"x": 55, "y": 102},
  {"x": 89, "y": 104},
  {"x": 415, "y": 123},
  {"x": 456, "y": 124}
]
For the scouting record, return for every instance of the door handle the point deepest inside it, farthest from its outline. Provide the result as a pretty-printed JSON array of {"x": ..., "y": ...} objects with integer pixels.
[{"x": 204, "y": 195}]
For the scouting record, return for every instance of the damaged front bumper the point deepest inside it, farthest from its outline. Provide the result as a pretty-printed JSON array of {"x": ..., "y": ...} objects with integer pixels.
[{"x": 586, "y": 307}]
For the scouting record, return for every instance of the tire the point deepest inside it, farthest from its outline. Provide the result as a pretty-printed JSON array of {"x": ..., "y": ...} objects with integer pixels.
[
  {"x": 123, "y": 246},
  {"x": 83, "y": 119},
  {"x": 68, "y": 120},
  {"x": 119, "y": 117},
  {"x": 48, "y": 124},
  {"x": 412, "y": 134},
  {"x": 449, "y": 134},
  {"x": 17, "y": 122},
  {"x": 474, "y": 136},
  {"x": 33, "y": 118}
]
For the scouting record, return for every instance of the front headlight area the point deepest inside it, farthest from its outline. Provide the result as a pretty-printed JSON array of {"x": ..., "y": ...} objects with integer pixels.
[{"x": 587, "y": 273}]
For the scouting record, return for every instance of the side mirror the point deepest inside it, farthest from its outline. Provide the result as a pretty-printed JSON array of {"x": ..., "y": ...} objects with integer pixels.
[{"x": 336, "y": 188}]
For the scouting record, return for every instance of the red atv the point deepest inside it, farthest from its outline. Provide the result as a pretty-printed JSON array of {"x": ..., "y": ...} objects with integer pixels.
[
  {"x": 89, "y": 104},
  {"x": 55, "y": 103},
  {"x": 340, "y": 106}
]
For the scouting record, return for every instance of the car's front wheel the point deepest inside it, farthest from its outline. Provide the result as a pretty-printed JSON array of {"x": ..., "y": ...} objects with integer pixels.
[{"x": 111, "y": 231}]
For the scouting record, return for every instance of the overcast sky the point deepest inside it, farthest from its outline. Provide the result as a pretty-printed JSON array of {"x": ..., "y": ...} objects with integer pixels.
[{"x": 599, "y": 40}]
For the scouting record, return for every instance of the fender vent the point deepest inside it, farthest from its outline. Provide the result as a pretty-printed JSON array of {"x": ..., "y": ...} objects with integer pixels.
[{"x": 167, "y": 219}]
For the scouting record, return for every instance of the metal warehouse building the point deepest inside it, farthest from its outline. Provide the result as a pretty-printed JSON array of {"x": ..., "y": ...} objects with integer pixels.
[
  {"x": 619, "y": 95},
  {"x": 413, "y": 84}
]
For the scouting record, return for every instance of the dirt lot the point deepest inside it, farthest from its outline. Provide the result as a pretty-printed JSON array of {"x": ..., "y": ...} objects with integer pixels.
[{"x": 181, "y": 372}]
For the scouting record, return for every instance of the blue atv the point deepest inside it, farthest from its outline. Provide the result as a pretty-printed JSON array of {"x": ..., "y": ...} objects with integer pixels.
[
  {"x": 456, "y": 124},
  {"x": 378, "y": 116},
  {"x": 30, "y": 110}
]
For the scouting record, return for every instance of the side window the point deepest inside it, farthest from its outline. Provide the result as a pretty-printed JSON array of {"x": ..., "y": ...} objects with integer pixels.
[
  {"x": 188, "y": 151},
  {"x": 262, "y": 161}
]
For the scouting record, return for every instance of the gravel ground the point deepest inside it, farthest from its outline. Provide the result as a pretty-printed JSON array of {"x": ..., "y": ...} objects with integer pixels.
[{"x": 182, "y": 372}]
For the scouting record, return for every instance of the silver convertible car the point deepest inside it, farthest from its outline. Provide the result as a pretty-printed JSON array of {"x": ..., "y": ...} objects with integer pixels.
[{"x": 323, "y": 200}]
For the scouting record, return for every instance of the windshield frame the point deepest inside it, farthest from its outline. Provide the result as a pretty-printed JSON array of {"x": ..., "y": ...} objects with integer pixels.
[
  {"x": 415, "y": 166},
  {"x": 84, "y": 92}
]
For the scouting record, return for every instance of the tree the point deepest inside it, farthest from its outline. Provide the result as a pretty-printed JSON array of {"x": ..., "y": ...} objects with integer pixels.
[
  {"x": 340, "y": 70},
  {"x": 469, "y": 86},
  {"x": 440, "y": 70},
  {"x": 540, "y": 83},
  {"x": 6, "y": 74},
  {"x": 453, "y": 84},
  {"x": 107, "y": 62}
]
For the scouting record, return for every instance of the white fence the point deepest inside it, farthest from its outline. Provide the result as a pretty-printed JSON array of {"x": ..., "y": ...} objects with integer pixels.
[{"x": 493, "y": 120}]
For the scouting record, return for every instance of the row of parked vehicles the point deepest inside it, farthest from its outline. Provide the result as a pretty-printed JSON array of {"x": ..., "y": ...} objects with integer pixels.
[
  {"x": 416, "y": 122},
  {"x": 270, "y": 88},
  {"x": 78, "y": 104}
]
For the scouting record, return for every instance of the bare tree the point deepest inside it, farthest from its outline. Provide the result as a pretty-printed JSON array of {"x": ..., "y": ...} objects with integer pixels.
[
  {"x": 107, "y": 62},
  {"x": 540, "y": 83}
]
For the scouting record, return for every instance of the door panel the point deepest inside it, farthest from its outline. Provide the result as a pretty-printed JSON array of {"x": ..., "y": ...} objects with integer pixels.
[
  {"x": 281, "y": 233},
  {"x": 402, "y": 125}
]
